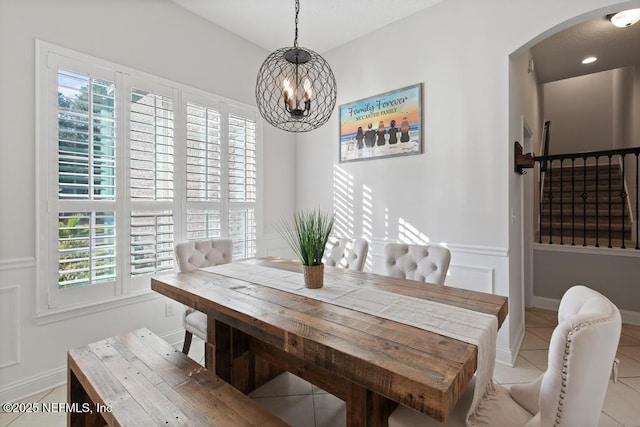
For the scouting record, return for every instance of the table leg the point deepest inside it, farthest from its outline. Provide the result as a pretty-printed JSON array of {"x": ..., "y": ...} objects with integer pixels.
[
  {"x": 242, "y": 362},
  {"x": 229, "y": 355},
  {"x": 209, "y": 346},
  {"x": 365, "y": 408},
  {"x": 222, "y": 348},
  {"x": 77, "y": 394}
]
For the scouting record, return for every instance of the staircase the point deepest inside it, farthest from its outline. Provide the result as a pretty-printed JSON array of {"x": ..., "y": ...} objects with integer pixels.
[{"x": 585, "y": 205}]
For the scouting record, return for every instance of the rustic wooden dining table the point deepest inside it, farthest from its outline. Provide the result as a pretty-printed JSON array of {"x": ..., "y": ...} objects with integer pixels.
[{"x": 255, "y": 332}]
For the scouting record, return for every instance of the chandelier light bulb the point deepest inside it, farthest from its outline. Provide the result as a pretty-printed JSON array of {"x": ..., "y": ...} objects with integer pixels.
[{"x": 308, "y": 93}]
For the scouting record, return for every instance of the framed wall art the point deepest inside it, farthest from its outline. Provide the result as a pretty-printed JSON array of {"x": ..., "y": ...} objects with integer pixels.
[{"x": 385, "y": 125}]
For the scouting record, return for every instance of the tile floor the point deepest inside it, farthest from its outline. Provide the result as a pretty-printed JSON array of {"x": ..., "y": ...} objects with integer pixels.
[{"x": 304, "y": 405}]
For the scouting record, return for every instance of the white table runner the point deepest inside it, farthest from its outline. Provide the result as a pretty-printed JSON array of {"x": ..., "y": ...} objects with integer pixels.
[{"x": 462, "y": 324}]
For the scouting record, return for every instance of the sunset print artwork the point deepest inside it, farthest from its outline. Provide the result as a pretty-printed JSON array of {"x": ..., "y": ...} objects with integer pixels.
[{"x": 385, "y": 125}]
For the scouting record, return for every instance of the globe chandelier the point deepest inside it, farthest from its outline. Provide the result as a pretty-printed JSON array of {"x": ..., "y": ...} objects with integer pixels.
[{"x": 295, "y": 88}]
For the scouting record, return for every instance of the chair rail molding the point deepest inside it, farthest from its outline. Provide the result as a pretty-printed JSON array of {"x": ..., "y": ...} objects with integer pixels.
[
  {"x": 579, "y": 249},
  {"x": 628, "y": 316},
  {"x": 7, "y": 264}
]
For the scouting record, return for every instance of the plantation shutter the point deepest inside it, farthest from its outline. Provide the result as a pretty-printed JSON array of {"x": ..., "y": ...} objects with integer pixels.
[
  {"x": 204, "y": 172},
  {"x": 129, "y": 164},
  {"x": 242, "y": 186},
  {"x": 86, "y": 180},
  {"x": 151, "y": 182}
]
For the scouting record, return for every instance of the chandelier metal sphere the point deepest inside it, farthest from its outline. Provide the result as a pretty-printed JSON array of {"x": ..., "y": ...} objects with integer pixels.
[{"x": 295, "y": 89}]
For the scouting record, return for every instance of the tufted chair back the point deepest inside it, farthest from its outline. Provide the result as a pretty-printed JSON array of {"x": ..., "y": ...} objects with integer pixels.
[
  {"x": 570, "y": 393},
  {"x": 426, "y": 263},
  {"x": 203, "y": 253},
  {"x": 190, "y": 256},
  {"x": 581, "y": 353},
  {"x": 346, "y": 253}
]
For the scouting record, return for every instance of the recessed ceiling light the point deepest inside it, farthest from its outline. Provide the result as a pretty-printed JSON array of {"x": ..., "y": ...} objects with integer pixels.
[
  {"x": 625, "y": 18},
  {"x": 589, "y": 60}
]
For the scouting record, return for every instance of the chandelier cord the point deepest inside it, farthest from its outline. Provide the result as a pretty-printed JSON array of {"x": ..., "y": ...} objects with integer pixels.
[{"x": 295, "y": 41}]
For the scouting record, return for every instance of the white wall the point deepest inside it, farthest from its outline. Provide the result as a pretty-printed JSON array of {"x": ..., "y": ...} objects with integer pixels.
[
  {"x": 525, "y": 120},
  {"x": 155, "y": 36},
  {"x": 612, "y": 272},
  {"x": 623, "y": 94},
  {"x": 462, "y": 189},
  {"x": 458, "y": 191},
  {"x": 623, "y": 126},
  {"x": 581, "y": 113},
  {"x": 635, "y": 138}
]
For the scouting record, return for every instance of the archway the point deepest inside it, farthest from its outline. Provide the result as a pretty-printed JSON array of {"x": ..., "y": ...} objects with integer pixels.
[{"x": 527, "y": 115}]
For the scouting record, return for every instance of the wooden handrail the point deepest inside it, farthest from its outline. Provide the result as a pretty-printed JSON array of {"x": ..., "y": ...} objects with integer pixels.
[{"x": 525, "y": 161}]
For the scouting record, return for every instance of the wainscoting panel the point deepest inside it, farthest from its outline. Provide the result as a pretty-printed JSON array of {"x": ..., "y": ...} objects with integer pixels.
[
  {"x": 10, "y": 325},
  {"x": 274, "y": 245},
  {"x": 481, "y": 279}
]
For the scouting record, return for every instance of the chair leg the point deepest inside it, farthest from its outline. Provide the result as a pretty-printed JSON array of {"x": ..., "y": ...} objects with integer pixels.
[
  {"x": 187, "y": 342},
  {"x": 614, "y": 371}
]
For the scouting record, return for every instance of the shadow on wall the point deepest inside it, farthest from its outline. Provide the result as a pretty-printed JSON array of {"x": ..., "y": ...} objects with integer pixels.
[
  {"x": 407, "y": 233},
  {"x": 355, "y": 213},
  {"x": 343, "y": 202}
]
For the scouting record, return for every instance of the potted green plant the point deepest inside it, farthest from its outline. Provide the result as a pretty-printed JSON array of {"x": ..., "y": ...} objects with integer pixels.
[{"x": 307, "y": 236}]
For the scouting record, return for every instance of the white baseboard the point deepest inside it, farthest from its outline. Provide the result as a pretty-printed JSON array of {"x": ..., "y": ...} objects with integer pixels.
[
  {"x": 507, "y": 356},
  {"x": 34, "y": 384},
  {"x": 629, "y": 317},
  {"x": 175, "y": 337},
  {"x": 55, "y": 377},
  {"x": 546, "y": 303}
]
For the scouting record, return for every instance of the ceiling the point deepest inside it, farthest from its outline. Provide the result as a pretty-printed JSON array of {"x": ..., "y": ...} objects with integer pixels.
[
  {"x": 323, "y": 24},
  {"x": 327, "y": 24},
  {"x": 560, "y": 56}
]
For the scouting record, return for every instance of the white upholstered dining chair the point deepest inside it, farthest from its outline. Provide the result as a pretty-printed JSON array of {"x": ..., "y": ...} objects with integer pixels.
[
  {"x": 346, "y": 253},
  {"x": 570, "y": 393},
  {"x": 193, "y": 255},
  {"x": 426, "y": 263}
]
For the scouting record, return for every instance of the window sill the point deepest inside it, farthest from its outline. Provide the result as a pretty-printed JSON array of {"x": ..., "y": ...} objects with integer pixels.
[{"x": 65, "y": 313}]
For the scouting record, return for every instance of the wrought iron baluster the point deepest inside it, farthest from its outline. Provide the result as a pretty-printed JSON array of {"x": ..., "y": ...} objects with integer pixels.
[
  {"x": 561, "y": 204},
  {"x": 637, "y": 202},
  {"x": 610, "y": 200},
  {"x": 573, "y": 207},
  {"x": 550, "y": 196},
  {"x": 607, "y": 181},
  {"x": 597, "y": 202},
  {"x": 584, "y": 195},
  {"x": 541, "y": 197},
  {"x": 623, "y": 196}
]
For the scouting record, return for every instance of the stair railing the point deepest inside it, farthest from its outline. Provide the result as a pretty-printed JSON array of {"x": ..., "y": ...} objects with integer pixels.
[{"x": 617, "y": 168}]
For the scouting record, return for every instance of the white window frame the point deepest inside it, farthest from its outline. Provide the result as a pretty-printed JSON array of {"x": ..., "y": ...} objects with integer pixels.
[{"x": 53, "y": 303}]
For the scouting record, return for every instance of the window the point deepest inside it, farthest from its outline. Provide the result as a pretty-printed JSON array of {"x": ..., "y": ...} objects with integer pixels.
[
  {"x": 151, "y": 182},
  {"x": 204, "y": 171},
  {"x": 86, "y": 180},
  {"x": 130, "y": 164}
]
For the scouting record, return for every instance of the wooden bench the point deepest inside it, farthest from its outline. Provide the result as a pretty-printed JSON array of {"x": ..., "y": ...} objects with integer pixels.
[{"x": 138, "y": 379}]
